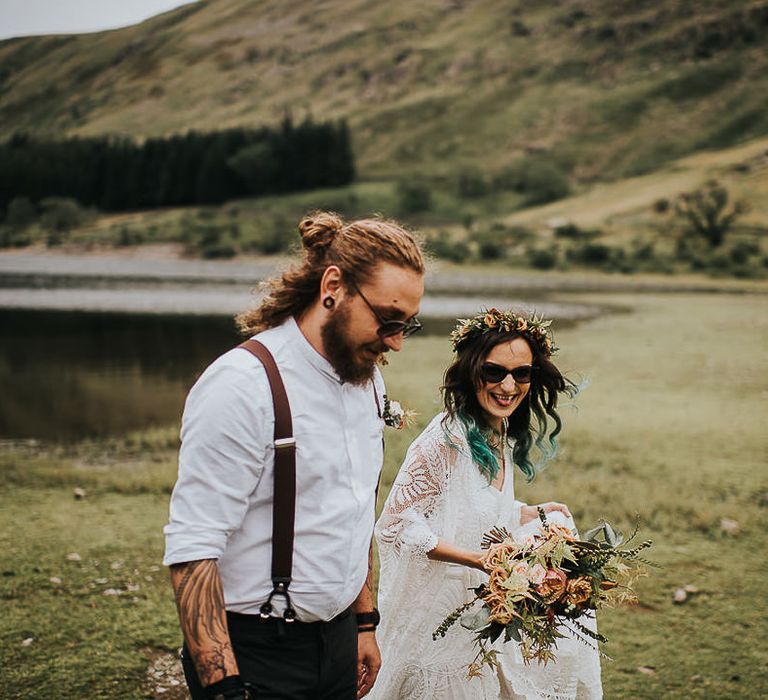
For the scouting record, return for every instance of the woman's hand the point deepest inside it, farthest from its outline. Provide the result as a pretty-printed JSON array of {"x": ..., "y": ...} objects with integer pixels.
[{"x": 528, "y": 513}]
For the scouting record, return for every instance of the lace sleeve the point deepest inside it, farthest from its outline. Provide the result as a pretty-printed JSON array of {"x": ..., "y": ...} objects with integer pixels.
[
  {"x": 517, "y": 511},
  {"x": 412, "y": 514}
]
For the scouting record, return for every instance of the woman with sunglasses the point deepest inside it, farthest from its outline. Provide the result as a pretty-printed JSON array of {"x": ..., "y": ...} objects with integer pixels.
[{"x": 456, "y": 483}]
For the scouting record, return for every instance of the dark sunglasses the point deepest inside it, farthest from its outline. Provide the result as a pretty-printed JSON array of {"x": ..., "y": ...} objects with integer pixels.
[
  {"x": 386, "y": 328},
  {"x": 495, "y": 374}
]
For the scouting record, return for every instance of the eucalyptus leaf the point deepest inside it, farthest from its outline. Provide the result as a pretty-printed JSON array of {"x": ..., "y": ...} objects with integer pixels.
[
  {"x": 475, "y": 620},
  {"x": 512, "y": 631},
  {"x": 618, "y": 536},
  {"x": 591, "y": 534}
]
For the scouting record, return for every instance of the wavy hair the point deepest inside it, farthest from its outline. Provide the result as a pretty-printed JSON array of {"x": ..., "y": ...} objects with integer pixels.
[
  {"x": 326, "y": 239},
  {"x": 535, "y": 422}
]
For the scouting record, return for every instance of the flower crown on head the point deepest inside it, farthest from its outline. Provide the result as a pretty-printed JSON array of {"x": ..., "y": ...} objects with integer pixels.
[{"x": 534, "y": 328}]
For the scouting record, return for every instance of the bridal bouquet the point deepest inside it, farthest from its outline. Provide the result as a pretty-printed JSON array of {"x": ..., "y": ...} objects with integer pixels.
[{"x": 544, "y": 581}]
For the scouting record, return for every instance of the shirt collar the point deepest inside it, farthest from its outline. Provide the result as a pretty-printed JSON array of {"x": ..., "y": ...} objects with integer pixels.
[{"x": 308, "y": 352}]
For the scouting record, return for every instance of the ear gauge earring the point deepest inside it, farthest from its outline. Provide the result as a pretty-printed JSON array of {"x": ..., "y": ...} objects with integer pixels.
[{"x": 328, "y": 302}]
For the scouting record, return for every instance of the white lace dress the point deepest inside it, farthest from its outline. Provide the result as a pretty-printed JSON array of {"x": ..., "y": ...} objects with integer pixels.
[{"x": 440, "y": 493}]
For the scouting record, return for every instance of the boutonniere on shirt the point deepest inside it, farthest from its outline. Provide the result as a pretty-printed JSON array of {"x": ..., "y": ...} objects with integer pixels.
[{"x": 395, "y": 416}]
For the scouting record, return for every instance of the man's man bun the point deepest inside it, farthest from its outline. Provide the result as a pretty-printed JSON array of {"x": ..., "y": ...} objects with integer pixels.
[{"x": 319, "y": 229}]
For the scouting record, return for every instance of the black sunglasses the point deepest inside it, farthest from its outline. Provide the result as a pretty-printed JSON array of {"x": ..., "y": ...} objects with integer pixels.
[
  {"x": 386, "y": 328},
  {"x": 495, "y": 374}
]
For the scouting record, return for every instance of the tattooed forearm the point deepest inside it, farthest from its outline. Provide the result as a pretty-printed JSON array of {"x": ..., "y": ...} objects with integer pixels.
[{"x": 200, "y": 602}]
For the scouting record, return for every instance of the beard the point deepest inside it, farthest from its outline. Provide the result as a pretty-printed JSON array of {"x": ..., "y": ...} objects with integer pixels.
[{"x": 346, "y": 357}]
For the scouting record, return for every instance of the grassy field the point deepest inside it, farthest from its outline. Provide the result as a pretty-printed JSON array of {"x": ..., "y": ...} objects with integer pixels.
[{"x": 671, "y": 427}]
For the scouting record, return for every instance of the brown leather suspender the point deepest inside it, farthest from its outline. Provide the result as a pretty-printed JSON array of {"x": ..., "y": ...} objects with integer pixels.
[{"x": 284, "y": 502}]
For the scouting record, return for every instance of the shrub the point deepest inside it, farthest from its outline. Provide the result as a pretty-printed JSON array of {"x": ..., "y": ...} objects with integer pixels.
[
  {"x": 441, "y": 246},
  {"x": 743, "y": 251},
  {"x": 572, "y": 231},
  {"x": 597, "y": 255},
  {"x": 21, "y": 213},
  {"x": 643, "y": 252},
  {"x": 413, "y": 196},
  {"x": 14, "y": 238},
  {"x": 517, "y": 234},
  {"x": 471, "y": 184},
  {"x": 544, "y": 182},
  {"x": 661, "y": 206},
  {"x": 127, "y": 236},
  {"x": 536, "y": 177},
  {"x": 490, "y": 250},
  {"x": 699, "y": 263},
  {"x": 276, "y": 236},
  {"x": 542, "y": 258},
  {"x": 208, "y": 239},
  {"x": 216, "y": 244},
  {"x": 495, "y": 242},
  {"x": 59, "y": 216},
  {"x": 723, "y": 265},
  {"x": 519, "y": 28}
]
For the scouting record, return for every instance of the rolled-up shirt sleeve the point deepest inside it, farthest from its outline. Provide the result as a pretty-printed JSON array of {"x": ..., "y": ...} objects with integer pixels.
[{"x": 226, "y": 437}]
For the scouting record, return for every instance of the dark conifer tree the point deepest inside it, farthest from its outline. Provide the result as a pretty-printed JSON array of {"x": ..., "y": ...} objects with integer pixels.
[{"x": 116, "y": 173}]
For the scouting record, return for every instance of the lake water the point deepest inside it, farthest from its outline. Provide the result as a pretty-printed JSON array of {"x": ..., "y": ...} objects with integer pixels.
[
  {"x": 68, "y": 375},
  {"x": 71, "y": 375}
]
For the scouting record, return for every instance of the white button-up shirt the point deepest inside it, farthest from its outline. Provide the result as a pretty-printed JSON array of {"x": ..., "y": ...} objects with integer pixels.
[{"x": 221, "y": 506}]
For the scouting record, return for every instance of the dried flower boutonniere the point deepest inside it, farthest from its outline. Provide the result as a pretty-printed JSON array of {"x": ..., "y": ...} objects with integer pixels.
[{"x": 395, "y": 416}]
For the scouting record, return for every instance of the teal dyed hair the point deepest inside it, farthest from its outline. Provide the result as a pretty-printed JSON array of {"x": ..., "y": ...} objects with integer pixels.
[{"x": 482, "y": 454}]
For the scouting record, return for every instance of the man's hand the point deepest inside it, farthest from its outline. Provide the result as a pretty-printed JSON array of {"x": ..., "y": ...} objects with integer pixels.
[{"x": 368, "y": 662}]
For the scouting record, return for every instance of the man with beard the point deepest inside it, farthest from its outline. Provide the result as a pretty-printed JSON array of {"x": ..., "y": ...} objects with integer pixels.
[{"x": 326, "y": 322}]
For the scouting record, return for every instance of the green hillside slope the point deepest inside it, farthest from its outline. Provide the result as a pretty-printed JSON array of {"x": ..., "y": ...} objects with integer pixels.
[{"x": 606, "y": 88}]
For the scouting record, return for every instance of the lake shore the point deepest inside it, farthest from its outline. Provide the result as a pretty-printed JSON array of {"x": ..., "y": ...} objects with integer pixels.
[{"x": 158, "y": 279}]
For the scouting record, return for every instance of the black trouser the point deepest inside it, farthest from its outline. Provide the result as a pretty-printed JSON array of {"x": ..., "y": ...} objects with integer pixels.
[{"x": 291, "y": 661}]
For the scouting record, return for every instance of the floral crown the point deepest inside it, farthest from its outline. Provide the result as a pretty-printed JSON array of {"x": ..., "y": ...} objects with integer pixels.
[{"x": 533, "y": 328}]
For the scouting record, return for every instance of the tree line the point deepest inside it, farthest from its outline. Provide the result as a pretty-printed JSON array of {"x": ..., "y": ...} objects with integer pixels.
[{"x": 117, "y": 173}]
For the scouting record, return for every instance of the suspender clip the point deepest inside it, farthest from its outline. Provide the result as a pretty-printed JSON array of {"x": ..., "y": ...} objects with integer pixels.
[{"x": 279, "y": 587}]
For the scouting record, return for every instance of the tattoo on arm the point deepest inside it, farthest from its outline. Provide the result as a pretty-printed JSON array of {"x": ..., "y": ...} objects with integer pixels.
[{"x": 200, "y": 602}]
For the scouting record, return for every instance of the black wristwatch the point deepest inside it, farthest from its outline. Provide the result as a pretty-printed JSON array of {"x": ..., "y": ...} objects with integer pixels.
[
  {"x": 368, "y": 621},
  {"x": 230, "y": 688}
]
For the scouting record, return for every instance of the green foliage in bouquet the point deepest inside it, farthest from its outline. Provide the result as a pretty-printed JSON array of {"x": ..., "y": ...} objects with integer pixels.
[{"x": 544, "y": 583}]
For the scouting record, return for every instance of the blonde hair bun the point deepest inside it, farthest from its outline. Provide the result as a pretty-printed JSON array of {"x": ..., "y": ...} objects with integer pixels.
[{"x": 319, "y": 229}]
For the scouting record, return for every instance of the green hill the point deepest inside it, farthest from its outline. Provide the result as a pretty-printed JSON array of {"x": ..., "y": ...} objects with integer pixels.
[{"x": 604, "y": 89}]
